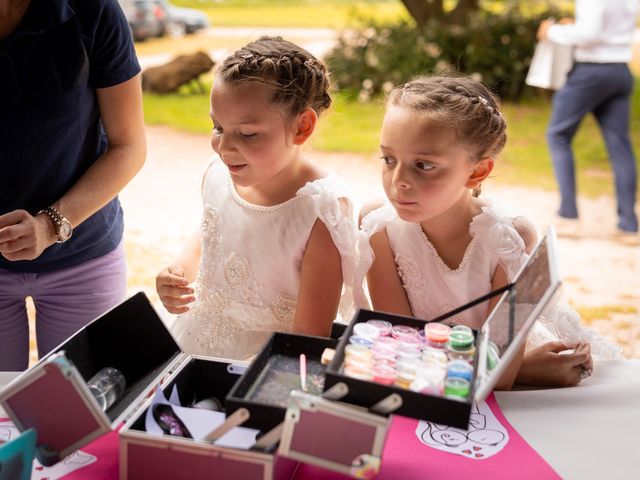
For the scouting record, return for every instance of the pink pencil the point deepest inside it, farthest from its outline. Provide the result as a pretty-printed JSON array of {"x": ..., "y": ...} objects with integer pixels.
[{"x": 303, "y": 372}]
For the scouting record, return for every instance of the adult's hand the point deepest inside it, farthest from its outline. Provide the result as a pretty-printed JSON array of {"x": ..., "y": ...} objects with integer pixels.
[
  {"x": 23, "y": 236},
  {"x": 546, "y": 366},
  {"x": 543, "y": 29}
]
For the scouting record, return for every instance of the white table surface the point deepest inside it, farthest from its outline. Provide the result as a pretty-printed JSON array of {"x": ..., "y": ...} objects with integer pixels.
[{"x": 586, "y": 432}]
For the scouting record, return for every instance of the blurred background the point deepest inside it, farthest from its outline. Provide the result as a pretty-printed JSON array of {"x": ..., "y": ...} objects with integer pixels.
[{"x": 370, "y": 46}]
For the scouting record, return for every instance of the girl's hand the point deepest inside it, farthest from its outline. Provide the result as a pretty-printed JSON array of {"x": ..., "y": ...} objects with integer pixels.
[
  {"x": 174, "y": 290},
  {"x": 23, "y": 236},
  {"x": 545, "y": 366}
]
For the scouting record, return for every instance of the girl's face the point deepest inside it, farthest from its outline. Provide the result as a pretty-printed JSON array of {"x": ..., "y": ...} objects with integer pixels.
[
  {"x": 426, "y": 170},
  {"x": 250, "y": 133}
]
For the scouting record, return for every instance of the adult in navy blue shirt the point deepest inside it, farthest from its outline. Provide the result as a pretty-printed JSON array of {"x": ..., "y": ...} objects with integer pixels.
[{"x": 71, "y": 137}]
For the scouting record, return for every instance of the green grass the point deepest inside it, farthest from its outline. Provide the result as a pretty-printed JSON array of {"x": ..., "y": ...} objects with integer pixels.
[
  {"x": 354, "y": 127},
  {"x": 294, "y": 13}
]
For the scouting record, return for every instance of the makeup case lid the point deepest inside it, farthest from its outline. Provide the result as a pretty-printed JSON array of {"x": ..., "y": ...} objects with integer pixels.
[{"x": 53, "y": 396}]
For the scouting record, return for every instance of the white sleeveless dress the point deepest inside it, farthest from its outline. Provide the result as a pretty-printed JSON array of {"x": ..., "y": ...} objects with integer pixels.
[
  {"x": 434, "y": 289},
  {"x": 249, "y": 273}
]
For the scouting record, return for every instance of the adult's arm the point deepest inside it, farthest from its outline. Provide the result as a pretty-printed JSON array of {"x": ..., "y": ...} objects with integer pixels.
[{"x": 25, "y": 237}]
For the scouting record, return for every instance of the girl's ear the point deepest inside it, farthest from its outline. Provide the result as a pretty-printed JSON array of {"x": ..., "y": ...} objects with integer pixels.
[
  {"x": 481, "y": 170},
  {"x": 305, "y": 125}
]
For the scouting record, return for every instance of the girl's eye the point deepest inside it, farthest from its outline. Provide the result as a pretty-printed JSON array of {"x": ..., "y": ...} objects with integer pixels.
[
  {"x": 425, "y": 166},
  {"x": 217, "y": 130},
  {"x": 387, "y": 160},
  {"x": 247, "y": 136}
]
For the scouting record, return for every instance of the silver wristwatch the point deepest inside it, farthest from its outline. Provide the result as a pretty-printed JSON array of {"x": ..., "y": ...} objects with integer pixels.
[{"x": 63, "y": 227}]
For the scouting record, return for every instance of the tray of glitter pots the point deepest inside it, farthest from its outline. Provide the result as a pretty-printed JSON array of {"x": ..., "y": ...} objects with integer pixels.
[{"x": 434, "y": 371}]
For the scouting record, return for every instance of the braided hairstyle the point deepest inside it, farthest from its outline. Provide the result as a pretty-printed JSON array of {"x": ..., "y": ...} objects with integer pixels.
[
  {"x": 461, "y": 103},
  {"x": 299, "y": 80}
]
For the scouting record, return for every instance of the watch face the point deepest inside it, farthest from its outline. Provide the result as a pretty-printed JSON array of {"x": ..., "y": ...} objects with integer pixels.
[{"x": 65, "y": 231}]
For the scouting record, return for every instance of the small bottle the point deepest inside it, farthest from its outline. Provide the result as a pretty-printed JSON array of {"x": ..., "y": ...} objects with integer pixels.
[{"x": 107, "y": 386}]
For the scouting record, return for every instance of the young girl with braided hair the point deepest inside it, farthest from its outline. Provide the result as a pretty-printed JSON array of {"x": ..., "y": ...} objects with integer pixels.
[
  {"x": 434, "y": 245},
  {"x": 277, "y": 237}
]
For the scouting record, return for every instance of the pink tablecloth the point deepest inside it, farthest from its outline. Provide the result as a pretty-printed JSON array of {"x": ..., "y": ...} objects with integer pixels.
[{"x": 404, "y": 457}]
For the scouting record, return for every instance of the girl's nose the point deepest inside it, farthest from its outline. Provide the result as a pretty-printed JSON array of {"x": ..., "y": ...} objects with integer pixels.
[{"x": 400, "y": 179}]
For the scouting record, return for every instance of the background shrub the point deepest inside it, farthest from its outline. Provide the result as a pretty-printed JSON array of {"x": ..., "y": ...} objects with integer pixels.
[{"x": 495, "y": 48}]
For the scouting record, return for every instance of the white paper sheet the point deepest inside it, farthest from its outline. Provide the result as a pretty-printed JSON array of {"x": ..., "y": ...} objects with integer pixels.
[
  {"x": 484, "y": 438},
  {"x": 200, "y": 423}
]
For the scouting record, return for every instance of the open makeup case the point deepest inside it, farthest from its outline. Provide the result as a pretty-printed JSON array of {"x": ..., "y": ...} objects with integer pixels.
[{"x": 339, "y": 423}]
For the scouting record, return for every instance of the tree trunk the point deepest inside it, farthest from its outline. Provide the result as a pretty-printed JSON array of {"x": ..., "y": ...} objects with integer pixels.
[{"x": 424, "y": 10}]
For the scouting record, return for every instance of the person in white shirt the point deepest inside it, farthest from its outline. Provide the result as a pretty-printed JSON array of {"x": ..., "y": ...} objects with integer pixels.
[{"x": 599, "y": 82}]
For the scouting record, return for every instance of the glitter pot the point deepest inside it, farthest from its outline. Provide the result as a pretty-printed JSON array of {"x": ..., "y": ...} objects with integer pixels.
[
  {"x": 366, "y": 330},
  {"x": 456, "y": 387},
  {"x": 434, "y": 356},
  {"x": 383, "y": 326},
  {"x": 401, "y": 331},
  {"x": 437, "y": 334},
  {"x": 460, "y": 369},
  {"x": 358, "y": 340},
  {"x": 466, "y": 355},
  {"x": 460, "y": 339},
  {"x": 384, "y": 374}
]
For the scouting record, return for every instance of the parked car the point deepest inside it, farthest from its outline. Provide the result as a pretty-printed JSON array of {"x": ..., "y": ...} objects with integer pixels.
[
  {"x": 147, "y": 18},
  {"x": 184, "y": 20}
]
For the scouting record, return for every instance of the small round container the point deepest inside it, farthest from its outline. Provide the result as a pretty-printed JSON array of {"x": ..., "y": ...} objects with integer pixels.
[
  {"x": 405, "y": 378},
  {"x": 437, "y": 334},
  {"x": 402, "y": 331},
  {"x": 434, "y": 356},
  {"x": 460, "y": 369},
  {"x": 358, "y": 340},
  {"x": 384, "y": 374},
  {"x": 383, "y": 326},
  {"x": 466, "y": 355},
  {"x": 426, "y": 386},
  {"x": 366, "y": 330},
  {"x": 435, "y": 374},
  {"x": 456, "y": 387},
  {"x": 460, "y": 339},
  {"x": 359, "y": 371},
  {"x": 357, "y": 352},
  {"x": 384, "y": 357}
]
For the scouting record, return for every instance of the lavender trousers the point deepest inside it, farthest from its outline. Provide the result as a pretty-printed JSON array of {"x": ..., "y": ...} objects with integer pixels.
[{"x": 65, "y": 301}]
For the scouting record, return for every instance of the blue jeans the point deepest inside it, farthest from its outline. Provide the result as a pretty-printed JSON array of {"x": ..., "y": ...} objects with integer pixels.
[{"x": 604, "y": 89}]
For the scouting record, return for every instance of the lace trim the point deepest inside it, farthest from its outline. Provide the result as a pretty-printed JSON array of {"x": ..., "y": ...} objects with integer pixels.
[{"x": 442, "y": 265}]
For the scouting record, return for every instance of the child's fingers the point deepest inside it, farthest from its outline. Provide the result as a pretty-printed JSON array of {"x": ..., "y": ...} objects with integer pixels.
[
  {"x": 177, "y": 310},
  {"x": 172, "y": 291},
  {"x": 171, "y": 279},
  {"x": 175, "y": 302},
  {"x": 579, "y": 356},
  {"x": 556, "y": 347}
]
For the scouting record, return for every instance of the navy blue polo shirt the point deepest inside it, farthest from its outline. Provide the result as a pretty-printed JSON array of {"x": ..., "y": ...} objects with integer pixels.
[{"x": 50, "y": 127}]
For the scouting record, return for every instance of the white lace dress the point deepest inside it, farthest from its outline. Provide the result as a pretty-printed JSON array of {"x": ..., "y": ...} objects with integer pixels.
[
  {"x": 249, "y": 272},
  {"x": 433, "y": 288}
]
